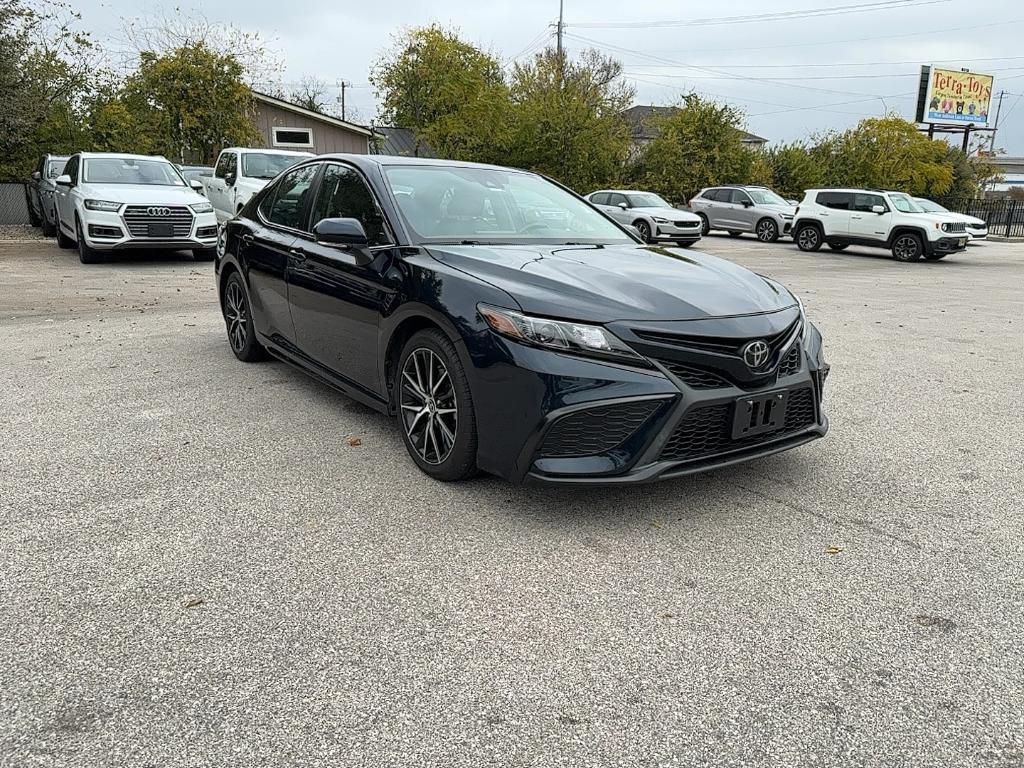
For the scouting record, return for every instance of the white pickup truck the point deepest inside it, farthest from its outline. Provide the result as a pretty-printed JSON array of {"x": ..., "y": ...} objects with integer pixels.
[{"x": 240, "y": 173}]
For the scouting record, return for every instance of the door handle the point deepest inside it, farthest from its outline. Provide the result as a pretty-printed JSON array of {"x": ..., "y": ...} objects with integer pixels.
[
  {"x": 247, "y": 239},
  {"x": 296, "y": 254},
  {"x": 856, "y": 217}
]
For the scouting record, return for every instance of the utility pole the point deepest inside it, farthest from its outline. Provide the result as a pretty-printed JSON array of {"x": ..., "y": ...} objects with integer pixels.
[
  {"x": 343, "y": 85},
  {"x": 999, "y": 109},
  {"x": 561, "y": 26}
]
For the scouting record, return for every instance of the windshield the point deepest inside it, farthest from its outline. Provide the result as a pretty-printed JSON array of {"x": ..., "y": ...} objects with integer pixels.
[
  {"x": 647, "y": 200},
  {"x": 126, "y": 170},
  {"x": 929, "y": 207},
  {"x": 765, "y": 197},
  {"x": 904, "y": 203},
  {"x": 266, "y": 165},
  {"x": 55, "y": 168},
  {"x": 193, "y": 174},
  {"x": 485, "y": 205}
]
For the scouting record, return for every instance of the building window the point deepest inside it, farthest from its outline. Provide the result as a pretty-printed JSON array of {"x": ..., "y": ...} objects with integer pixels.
[{"x": 293, "y": 137}]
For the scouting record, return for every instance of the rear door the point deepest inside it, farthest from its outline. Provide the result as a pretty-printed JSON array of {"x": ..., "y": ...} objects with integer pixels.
[
  {"x": 268, "y": 245},
  {"x": 835, "y": 213},
  {"x": 337, "y": 296}
]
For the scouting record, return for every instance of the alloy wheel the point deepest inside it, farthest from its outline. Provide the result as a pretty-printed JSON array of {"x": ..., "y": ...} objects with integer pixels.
[
  {"x": 236, "y": 315},
  {"x": 808, "y": 238},
  {"x": 429, "y": 407},
  {"x": 644, "y": 230},
  {"x": 905, "y": 248},
  {"x": 767, "y": 232}
]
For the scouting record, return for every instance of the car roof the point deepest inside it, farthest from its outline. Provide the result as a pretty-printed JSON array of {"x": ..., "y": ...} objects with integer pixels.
[
  {"x": 852, "y": 189},
  {"x": 274, "y": 150},
  {"x": 624, "y": 191},
  {"x": 126, "y": 155}
]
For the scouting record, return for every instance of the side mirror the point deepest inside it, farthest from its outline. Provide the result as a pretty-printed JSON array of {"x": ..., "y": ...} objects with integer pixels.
[
  {"x": 879, "y": 209},
  {"x": 341, "y": 232},
  {"x": 747, "y": 204},
  {"x": 623, "y": 206},
  {"x": 36, "y": 175},
  {"x": 196, "y": 185},
  {"x": 63, "y": 180},
  {"x": 230, "y": 179}
]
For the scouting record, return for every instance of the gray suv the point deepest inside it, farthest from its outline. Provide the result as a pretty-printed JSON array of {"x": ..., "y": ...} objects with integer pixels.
[
  {"x": 744, "y": 209},
  {"x": 40, "y": 193}
]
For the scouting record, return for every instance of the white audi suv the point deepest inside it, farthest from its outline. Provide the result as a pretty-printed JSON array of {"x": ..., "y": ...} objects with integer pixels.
[{"x": 109, "y": 202}]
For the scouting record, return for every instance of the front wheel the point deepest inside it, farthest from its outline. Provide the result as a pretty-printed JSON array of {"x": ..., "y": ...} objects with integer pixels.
[
  {"x": 435, "y": 407},
  {"x": 907, "y": 247},
  {"x": 644, "y": 229},
  {"x": 86, "y": 255},
  {"x": 767, "y": 231},
  {"x": 49, "y": 230},
  {"x": 808, "y": 238}
]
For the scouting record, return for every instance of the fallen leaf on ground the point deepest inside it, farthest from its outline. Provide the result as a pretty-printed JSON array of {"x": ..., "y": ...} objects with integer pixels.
[
  {"x": 194, "y": 602},
  {"x": 833, "y": 550},
  {"x": 354, "y": 441}
]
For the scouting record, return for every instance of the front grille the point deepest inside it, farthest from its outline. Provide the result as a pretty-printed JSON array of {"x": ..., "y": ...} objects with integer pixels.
[
  {"x": 721, "y": 345},
  {"x": 791, "y": 362},
  {"x": 687, "y": 224},
  {"x": 697, "y": 378},
  {"x": 955, "y": 226},
  {"x": 138, "y": 219},
  {"x": 707, "y": 430},
  {"x": 595, "y": 430}
]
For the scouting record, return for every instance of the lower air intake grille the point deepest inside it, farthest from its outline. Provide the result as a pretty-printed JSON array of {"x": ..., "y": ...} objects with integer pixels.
[
  {"x": 791, "y": 362},
  {"x": 596, "y": 430},
  {"x": 694, "y": 377},
  {"x": 707, "y": 430}
]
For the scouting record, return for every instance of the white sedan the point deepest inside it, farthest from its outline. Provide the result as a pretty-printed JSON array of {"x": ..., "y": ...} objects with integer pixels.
[
  {"x": 977, "y": 229},
  {"x": 653, "y": 217},
  {"x": 110, "y": 202}
]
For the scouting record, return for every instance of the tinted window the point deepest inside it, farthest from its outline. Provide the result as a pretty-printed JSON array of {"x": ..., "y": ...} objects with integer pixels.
[
  {"x": 862, "y": 202},
  {"x": 617, "y": 199},
  {"x": 599, "y": 198},
  {"x": 842, "y": 201},
  {"x": 708, "y": 194},
  {"x": 71, "y": 169},
  {"x": 344, "y": 195},
  {"x": 284, "y": 205},
  {"x": 721, "y": 195},
  {"x": 740, "y": 197},
  {"x": 226, "y": 165}
]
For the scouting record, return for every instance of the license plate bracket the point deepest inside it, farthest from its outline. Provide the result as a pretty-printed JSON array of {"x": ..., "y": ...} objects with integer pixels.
[
  {"x": 161, "y": 230},
  {"x": 759, "y": 414}
]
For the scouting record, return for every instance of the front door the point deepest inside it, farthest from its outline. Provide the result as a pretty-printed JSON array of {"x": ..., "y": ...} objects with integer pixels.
[
  {"x": 268, "y": 245},
  {"x": 337, "y": 295},
  {"x": 865, "y": 223},
  {"x": 65, "y": 202},
  {"x": 743, "y": 211}
]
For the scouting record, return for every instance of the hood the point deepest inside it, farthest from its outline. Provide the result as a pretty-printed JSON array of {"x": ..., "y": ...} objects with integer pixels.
[
  {"x": 784, "y": 208},
  {"x": 142, "y": 194},
  {"x": 672, "y": 214},
  {"x": 604, "y": 283}
]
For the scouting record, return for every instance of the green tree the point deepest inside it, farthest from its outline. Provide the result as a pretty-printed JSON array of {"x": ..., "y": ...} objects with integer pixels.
[
  {"x": 450, "y": 93},
  {"x": 566, "y": 119},
  {"x": 792, "y": 168},
  {"x": 191, "y": 101},
  {"x": 698, "y": 145}
]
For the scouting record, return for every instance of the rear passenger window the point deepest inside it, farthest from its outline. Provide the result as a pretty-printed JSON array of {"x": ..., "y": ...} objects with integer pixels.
[
  {"x": 284, "y": 206},
  {"x": 841, "y": 201},
  {"x": 601, "y": 198}
]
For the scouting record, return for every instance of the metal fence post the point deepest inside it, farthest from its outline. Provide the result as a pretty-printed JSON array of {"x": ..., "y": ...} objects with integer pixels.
[{"x": 1010, "y": 216}]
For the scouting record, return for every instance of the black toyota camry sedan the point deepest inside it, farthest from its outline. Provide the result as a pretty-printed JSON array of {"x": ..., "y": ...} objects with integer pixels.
[{"x": 511, "y": 327}]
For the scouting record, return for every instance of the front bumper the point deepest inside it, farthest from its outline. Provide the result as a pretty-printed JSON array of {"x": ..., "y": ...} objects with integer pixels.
[
  {"x": 552, "y": 418},
  {"x": 672, "y": 233},
  {"x": 976, "y": 234},
  {"x": 109, "y": 231},
  {"x": 948, "y": 244}
]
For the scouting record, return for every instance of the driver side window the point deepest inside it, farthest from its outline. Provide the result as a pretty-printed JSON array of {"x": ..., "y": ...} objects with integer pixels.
[
  {"x": 618, "y": 200},
  {"x": 344, "y": 195},
  {"x": 285, "y": 204}
]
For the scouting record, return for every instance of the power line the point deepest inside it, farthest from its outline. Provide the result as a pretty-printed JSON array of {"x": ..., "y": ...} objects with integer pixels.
[
  {"x": 802, "y": 65},
  {"x": 841, "y": 10},
  {"x": 819, "y": 77}
]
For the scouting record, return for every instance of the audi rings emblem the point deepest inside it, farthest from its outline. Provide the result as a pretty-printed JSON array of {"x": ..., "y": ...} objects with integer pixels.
[
  {"x": 755, "y": 354},
  {"x": 155, "y": 211}
]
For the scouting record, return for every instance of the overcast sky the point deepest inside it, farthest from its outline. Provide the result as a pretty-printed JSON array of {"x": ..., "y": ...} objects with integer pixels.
[{"x": 828, "y": 70}]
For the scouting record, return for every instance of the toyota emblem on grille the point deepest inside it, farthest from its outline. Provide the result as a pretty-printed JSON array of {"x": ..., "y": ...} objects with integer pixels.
[
  {"x": 755, "y": 354},
  {"x": 153, "y": 211}
]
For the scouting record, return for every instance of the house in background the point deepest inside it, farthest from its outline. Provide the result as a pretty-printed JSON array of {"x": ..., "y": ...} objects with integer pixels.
[
  {"x": 401, "y": 142},
  {"x": 284, "y": 125},
  {"x": 643, "y": 124}
]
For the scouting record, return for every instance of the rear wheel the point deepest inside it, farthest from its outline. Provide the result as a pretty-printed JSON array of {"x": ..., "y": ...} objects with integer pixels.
[
  {"x": 907, "y": 247},
  {"x": 644, "y": 229},
  {"x": 238, "y": 319},
  {"x": 63, "y": 240},
  {"x": 808, "y": 238},
  {"x": 767, "y": 231},
  {"x": 86, "y": 255},
  {"x": 435, "y": 408}
]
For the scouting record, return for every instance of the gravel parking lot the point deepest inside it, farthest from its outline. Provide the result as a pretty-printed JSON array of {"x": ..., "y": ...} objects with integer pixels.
[{"x": 200, "y": 570}]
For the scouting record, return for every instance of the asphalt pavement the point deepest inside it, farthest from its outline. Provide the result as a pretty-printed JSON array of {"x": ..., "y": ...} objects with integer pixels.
[{"x": 199, "y": 569}]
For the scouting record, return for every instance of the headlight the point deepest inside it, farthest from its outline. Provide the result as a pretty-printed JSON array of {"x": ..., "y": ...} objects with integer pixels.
[
  {"x": 102, "y": 205},
  {"x": 945, "y": 227},
  {"x": 662, "y": 221},
  {"x": 558, "y": 334},
  {"x": 202, "y": 207},
  {"x": 805, "y": 325}
]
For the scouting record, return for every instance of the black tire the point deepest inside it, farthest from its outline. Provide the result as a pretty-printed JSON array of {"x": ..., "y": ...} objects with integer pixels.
[
  {"x": 686, "y": 245},
  {"x": 935, "y": 256},
  {"x": 767, "y": 230},
  {"x": 33, "y": 218},
  {"x": 439, "y": 426},
  {"x": 63, "y": 241},
  {"x": 204, "y": 254},
  {"x": 238, "y": 321},
  {"x": 808, "y": 238},
  {"x": 705, "y": 225},
  {"x": 734, "y": 233},
  {"x": 907, "y": 247},
  {"x": 838, "y": 246},
  {"x": 49, "y": 230},
  {"x": 644, "y": 229},
  {"x": 86, "y": 255}
]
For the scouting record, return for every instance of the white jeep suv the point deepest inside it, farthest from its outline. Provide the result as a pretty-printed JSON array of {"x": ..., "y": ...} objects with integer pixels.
[
  {"x": 878, "y": 219},
  {"x": 109, "y": 202}
]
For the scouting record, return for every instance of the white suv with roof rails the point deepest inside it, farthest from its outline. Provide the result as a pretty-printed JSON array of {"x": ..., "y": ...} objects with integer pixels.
[{"x": 878, "y": 219}]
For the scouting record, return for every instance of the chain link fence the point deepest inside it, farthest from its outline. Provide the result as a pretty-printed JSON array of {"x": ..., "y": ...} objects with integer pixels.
[
  {"x": 13, "y": 208},
  {"x": 1005, "y": 218}
]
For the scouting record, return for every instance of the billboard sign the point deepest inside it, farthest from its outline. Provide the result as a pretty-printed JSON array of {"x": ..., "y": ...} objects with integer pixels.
[{"x": 954, "y": 97}]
